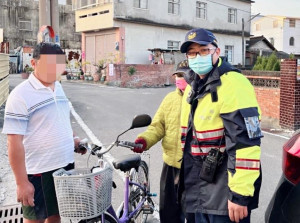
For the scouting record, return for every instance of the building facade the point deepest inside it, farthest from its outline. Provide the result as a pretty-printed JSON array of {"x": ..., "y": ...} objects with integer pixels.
[
  {"x": 126, "y": 29},
  {"x": 19, "y": 20},
  {"x": 283, "y": 32}
]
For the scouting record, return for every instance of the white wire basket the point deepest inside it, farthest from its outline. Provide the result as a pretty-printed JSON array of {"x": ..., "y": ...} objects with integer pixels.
[{"x": 82, "y": 194}]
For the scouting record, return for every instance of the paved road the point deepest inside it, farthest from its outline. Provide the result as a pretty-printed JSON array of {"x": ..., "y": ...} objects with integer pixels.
[{"x": 107, "y": 111}]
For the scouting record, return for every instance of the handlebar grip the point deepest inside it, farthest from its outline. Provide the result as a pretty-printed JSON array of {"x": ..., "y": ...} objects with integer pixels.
[
  {"x": 84, "y": 141},
  {"x": 130, "y": 144},
  {"x": 83, "y": 144}
]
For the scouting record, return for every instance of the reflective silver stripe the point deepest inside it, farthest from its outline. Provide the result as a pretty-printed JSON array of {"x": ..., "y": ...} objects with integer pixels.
[
  {"x": 182, "y": 145},
  {"x": 250, "y": 164},
  {"x": 205, "y": 149},
  {"x": 183, "y": 130},
  {"x": 210, "y": 134}
]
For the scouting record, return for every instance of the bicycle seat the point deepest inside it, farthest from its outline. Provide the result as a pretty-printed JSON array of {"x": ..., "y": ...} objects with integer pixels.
[{"x": 125, "y": 163}]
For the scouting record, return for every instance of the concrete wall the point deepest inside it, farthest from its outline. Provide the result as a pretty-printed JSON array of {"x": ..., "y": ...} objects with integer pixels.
[
  {"x": 217, "y": 14},
  {"x": 267, "y": 30},
  {"x": 152, "y": 27},
  {"x": 95, "y": 18},
  {"x": 281, "y": 33},
  {"x": 12, "y": 12},
  {"x": 4, "y": 84},
  {"x": 289, "y": 32},
  {"x": 139, "y": 38}
]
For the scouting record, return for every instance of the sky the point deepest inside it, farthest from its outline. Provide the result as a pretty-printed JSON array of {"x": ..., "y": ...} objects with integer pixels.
[{"x": 276, "y": 7}]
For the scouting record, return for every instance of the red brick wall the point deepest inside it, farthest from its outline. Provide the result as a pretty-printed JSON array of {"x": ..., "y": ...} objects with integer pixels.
[
  {"x": 290, "y": 95},
  {"x": 154, "y": 75},
  {"x": 267, "y": 92},
  {"x": 269, "y": 101}
]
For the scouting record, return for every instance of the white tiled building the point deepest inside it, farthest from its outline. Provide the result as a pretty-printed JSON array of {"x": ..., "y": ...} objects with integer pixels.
[
  {"x": 130, "y": 27},
  {"x": 283, "y": 32}
]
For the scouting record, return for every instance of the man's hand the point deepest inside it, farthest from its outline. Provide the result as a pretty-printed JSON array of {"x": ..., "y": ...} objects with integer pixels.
[
  {"x": 140, "y": 141},
  {"x": 237, "y": 212},
  {"x": 25, "y": 194},
  {"x": 77, "y": 148}
]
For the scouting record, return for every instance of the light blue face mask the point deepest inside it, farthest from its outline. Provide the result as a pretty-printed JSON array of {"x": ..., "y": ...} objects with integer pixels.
[{"x": 201, "y": 64}]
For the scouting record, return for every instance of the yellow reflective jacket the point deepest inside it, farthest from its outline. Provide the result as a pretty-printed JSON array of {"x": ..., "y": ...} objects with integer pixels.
[
  {"x": 166, "y": 126},
  {"x": 229, "y": 122}
]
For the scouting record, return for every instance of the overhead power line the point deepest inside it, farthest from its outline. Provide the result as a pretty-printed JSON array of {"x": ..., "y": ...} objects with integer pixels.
[{"x": 228, "y": 6}]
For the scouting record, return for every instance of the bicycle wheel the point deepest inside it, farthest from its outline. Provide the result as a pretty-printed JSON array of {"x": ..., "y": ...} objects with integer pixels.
[
  {"x": 108, "y": 218},
  {"x": 136, "y": 194}
]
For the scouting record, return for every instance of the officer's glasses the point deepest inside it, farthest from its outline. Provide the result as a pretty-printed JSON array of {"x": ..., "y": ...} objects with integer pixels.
[{"x": 201, "y": 52}]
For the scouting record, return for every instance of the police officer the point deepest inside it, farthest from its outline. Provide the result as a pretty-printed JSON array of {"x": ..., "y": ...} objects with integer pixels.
[{"x": 220, "y": 132}]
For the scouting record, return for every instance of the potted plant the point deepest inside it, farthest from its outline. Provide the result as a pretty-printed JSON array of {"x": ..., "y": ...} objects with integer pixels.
[
  {"x": 100, "y": 66},
  {"x": 81, "y": 74},
  {"x": 26, "y": 72},
  {"x": 65, "y": 73}
]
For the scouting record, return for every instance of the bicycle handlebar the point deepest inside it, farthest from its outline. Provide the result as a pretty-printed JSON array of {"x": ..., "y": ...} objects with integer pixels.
[
  {"x": 130, "y": 145},
  {"x": 97, "y": 150}
]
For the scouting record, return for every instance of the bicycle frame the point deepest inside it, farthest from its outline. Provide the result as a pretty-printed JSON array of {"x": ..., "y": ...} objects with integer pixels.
[{"x": 126, "y": 216}]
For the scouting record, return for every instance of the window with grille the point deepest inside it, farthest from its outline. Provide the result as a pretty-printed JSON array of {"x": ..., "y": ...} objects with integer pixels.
[
  {"x": 292, "y": 41},
  {"x": 229, "y": 53},
  {"x": 25, "y": 25},
  {"x": 142, "y": 4},
  {"x": 232, "y": 15},
  {"x": 292, "y": 23},
  {"x": 173, "y": 45},
  {"x": 201, "y": 8},
  {"x": 174, "y": 7}
]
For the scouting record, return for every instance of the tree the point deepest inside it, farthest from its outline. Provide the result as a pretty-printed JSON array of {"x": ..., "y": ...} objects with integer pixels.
[
  {"x": 277, "y": 66},
  {"x": 257, "y": 65},
  {"x": 264, "y": 63},
  {"x": 271, "y": 62}
]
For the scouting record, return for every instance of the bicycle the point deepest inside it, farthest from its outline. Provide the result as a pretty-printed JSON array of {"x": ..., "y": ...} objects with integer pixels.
[{"x": 84, "y": 195}]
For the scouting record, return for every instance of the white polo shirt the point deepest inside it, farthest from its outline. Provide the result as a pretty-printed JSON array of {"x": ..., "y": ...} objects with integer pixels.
[{"x": 43, "y": 117}]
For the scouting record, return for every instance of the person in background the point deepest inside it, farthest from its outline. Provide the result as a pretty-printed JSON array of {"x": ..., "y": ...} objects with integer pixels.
[
  {"x": 165, "y": 126},
  {"x": 220, "y": 174},
  {"x": 39, "y": 134}
]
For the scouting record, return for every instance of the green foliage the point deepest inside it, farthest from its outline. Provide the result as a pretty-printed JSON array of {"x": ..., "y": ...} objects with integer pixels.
[
  {"x": 131, "y": 70},
  {"x": 257, "y": 67},
  {"x": 264, "y": 62},
  {"x": 292, "y": 56},
  {"x": 101, "y": 65},
  {"x": 270, "y": 63},
  {"x": 28, "y": 70},
  {"x": 277, "y": 66}
]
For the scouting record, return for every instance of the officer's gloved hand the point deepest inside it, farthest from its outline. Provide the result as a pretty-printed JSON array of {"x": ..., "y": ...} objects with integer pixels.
[{"x": 142, "y": 142}]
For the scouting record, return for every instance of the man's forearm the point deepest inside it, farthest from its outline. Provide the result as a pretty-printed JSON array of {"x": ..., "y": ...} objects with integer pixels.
[{"x": 16, "y": 155}]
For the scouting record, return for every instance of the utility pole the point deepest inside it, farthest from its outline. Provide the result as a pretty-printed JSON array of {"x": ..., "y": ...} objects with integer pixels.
[
  {"x": 49, "y": 15},
  {"x": 243, "y": 43},
  {"x": 243, "y": 39}
]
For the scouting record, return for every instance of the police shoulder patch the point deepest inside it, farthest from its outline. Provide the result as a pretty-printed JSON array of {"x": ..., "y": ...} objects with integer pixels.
[{"x": 253, "y": 127}]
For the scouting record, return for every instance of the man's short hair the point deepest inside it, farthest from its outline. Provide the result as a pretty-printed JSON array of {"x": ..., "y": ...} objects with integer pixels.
[{"x": 46, "y": 48}]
